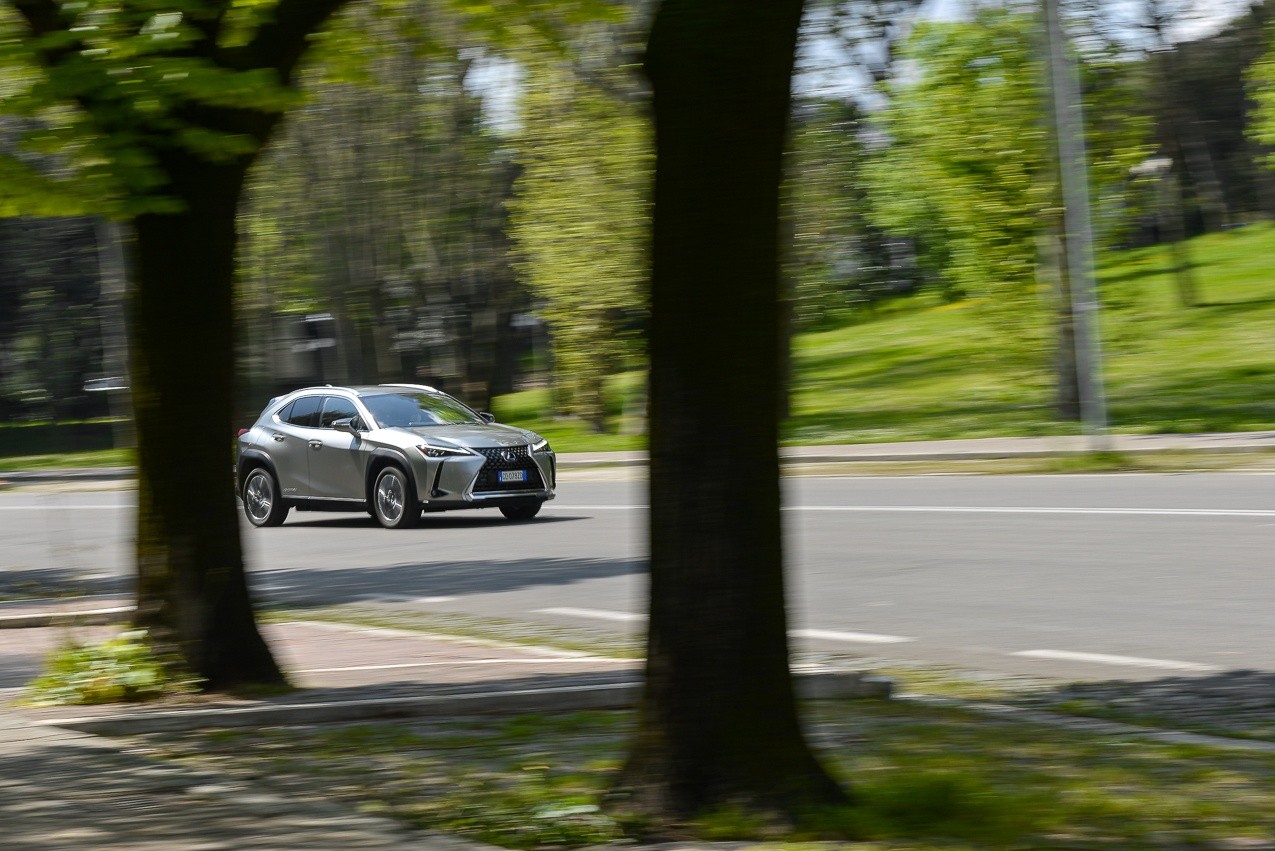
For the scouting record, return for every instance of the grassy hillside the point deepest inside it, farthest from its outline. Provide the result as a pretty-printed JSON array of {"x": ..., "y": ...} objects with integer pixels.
[{"x": 929, "y": 371}]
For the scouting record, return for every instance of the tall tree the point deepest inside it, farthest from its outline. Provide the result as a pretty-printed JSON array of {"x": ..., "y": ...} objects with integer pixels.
[
  {"x": 717, "y": 722},
  {"x": 174, "y": 102},
  {"x": 971, "y": 165},
  {"x": 578, "y": 220}
]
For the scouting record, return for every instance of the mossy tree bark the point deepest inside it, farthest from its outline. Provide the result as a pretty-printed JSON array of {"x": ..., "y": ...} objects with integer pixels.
[
  {"x": 192, "y": 589},
  {"x": 718, "y": 725}
]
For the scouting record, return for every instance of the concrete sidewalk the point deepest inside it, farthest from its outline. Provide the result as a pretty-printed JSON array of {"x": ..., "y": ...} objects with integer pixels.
[{"x": 975, "y": 449}]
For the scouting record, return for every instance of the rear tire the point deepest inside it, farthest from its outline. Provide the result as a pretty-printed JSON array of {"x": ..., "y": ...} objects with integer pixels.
[
  {"x": 521, "y": 512},
  {"x": 261, "y": 503},
  {"x": 393, "y": 501}
]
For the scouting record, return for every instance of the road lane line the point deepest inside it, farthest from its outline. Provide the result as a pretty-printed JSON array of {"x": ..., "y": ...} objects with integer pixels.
[
  {"x": 460, "y": 663},
  {"x": 1107, "y": 659},
  {"x": 596, "y": 614},
  {"x": 402, "y": 598},
  {"x": 981, "y": 509},
  {"x": 65, "y": 507},
  {"x": 991, "y": 509},
  {"x": 820, "y": 634},
  {"x": 880, "y": 509},
  {"x": 857, "y": 637}
]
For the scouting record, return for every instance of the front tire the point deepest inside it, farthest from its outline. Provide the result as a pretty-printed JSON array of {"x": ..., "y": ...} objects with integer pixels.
[
  {"x": 261, "y": 503},
  {"x": 525, "y": 511},
  {"x": 393, "y": 501}
]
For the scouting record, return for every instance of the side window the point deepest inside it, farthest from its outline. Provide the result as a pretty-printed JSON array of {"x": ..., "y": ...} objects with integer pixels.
[
  {"x": 283, "y": 415},
  {"x": 335, "y": 408},
  {"x": 305, "y": 412}
]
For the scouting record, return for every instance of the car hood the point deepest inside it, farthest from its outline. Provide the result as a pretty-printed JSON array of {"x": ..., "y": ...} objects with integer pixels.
[{"x": 476, "y": 436}]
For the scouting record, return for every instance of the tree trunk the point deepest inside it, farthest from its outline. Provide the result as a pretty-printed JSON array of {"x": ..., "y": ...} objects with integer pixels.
[
  {"x": 192, "y": 589},
  {"x": 1066, "y": 375},
  {"x": 1173, "y": 230},
  {"x": 718, "y": 725}
]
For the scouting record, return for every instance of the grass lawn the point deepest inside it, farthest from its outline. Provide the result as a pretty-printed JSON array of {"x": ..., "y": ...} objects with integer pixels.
[
  {"x": 101, "y": 458},
  {"x": 925, "y": 777},
  {"x": 925, "y": 371}
]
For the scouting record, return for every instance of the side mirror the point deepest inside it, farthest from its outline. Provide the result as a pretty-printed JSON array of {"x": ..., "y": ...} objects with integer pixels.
[
  {"x": 488, "y": 418},
  {"x": 349, "y": 425}
]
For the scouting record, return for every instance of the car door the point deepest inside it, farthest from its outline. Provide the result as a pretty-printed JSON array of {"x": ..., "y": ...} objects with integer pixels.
[
  {"x": 338, "y": 459},
  {"x": 290, "y": 434}
]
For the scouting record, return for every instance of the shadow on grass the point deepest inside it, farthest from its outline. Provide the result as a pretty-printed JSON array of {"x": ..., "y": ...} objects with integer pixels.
[
  {"x": 1236, "y": 703},
  {"x": 1236, "y": 306},
  {"x": 1226, "y": 399},
  {"x": 954, "y": 419},
  {"x": 889, "y": 366}
]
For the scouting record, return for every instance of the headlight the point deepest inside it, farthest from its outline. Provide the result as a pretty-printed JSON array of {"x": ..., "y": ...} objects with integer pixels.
[
  {"x": 541, "y": 445},
  {"x": 441, "y": 451}
]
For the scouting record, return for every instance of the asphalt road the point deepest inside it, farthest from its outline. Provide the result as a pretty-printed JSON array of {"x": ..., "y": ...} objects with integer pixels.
[{"x": 1100, "y": 577}]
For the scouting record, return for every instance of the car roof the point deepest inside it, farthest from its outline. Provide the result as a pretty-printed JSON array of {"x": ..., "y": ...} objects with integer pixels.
[{"x": 361, "y": 389}]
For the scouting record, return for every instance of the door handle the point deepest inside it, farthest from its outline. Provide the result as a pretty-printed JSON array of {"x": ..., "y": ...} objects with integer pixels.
[
  {"x": 315, "y": 444},
  {"x": 277, "y": 437}
]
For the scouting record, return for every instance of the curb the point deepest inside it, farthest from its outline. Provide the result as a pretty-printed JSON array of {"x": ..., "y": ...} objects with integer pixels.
[
  {"x": 794, "y": 456},
  {"x": 813, "y": 685},
  {"x": 87, "y": 617},
  {"x": 83, "y": 474}
]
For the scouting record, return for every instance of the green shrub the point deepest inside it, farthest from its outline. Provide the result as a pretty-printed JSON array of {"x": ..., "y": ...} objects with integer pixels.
[{"x": 123, "y": 669}]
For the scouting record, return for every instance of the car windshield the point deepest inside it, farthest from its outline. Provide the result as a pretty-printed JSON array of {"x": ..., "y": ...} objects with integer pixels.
[{"x": 411, "y": 410}]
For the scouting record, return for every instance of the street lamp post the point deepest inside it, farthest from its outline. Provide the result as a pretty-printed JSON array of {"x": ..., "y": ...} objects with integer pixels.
[{"x": 1073, "y": 174}]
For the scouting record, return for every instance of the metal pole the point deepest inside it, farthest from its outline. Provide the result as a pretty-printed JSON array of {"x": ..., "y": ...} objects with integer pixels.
[{"x": 1073, "y": 171}]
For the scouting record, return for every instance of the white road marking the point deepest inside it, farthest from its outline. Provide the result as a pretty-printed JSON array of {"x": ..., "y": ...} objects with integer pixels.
[
  {"x": 879, "y": 509},
  {"x": 64, "y": 507},
  {"x": 597, "y": 614},
  {"x": 989, "y": 509},
  {"x": 982, "y": 509},
  {"x": 857, "y": 637},
  {"x": 821, "y": 634},
  {"x": 460, "y": 663},
  {"x": 389, "y": 632},
  {"x": 1106, "y": 659},
  {"x": 402, "y": 598}
]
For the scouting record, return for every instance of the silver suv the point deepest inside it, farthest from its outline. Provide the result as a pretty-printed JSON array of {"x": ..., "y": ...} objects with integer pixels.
[{"x": 393, "y": 450}]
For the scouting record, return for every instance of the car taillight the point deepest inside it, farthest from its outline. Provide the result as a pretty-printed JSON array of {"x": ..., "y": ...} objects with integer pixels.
[{"x": 242, "y": 432}]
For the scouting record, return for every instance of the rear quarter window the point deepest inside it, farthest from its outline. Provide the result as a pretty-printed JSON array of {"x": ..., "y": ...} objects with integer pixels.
[{"x": 304, "y": 412}]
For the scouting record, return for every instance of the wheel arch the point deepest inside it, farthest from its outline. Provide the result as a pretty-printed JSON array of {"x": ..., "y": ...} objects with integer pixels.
[
  {"x": 253, "y": 459},
  {"x": 382, "y": 458}
]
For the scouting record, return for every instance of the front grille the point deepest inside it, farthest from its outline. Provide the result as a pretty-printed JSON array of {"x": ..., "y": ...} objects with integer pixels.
[{"x": 519, "y": 459}]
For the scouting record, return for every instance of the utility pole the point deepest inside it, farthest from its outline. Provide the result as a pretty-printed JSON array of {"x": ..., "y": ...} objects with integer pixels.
[{"x": 1074, "y": 176}]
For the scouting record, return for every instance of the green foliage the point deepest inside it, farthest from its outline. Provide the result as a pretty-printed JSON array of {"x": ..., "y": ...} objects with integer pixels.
[
  {"x": 122, "y": 669},
  {"x": 1261, "y": 84},
  {"x": 968, "y": 167},
  {"x": 917, "y": 373},
  {"x": 110, "y": 88},
  {"x": 579, "y": 218},
  {"x": 970, "y": 171},
  {"x": 381, "y": 204},
  {"x": 836, "y": 260}
]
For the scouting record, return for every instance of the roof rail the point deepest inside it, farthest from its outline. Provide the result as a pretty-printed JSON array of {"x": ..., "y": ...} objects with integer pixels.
[{"x": 424, "y": 387}]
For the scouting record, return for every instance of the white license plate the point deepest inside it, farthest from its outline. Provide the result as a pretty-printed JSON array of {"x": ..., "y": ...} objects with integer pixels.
[{"x": 513, "y": 475}]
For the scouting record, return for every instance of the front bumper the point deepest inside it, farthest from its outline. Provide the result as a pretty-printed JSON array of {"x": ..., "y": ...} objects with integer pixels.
[{"x": 474, "y": 481}]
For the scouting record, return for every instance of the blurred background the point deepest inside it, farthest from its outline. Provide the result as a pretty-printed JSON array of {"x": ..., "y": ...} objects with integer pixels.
[{"x": 468, "y": 209}]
